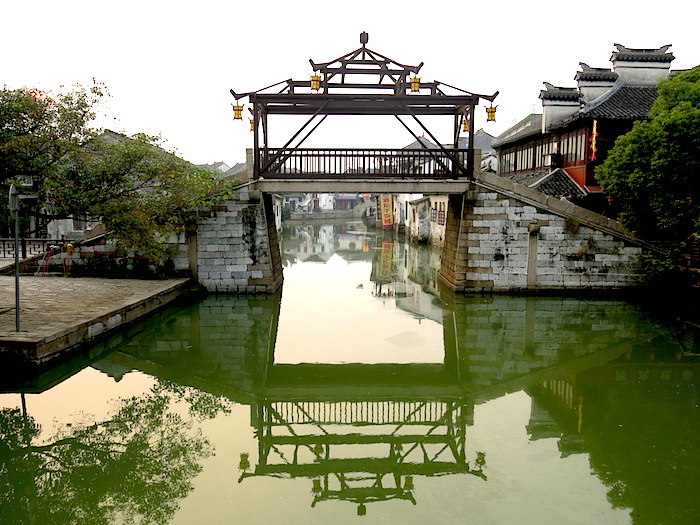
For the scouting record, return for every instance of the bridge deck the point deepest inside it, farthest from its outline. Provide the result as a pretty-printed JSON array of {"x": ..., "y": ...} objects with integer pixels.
[{"x": 378, "y": 185}]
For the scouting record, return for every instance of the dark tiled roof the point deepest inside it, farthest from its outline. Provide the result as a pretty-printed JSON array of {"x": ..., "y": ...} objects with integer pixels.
[
  {"x": 530, "y": 125},
  {"x": 620, "y": 103},
  {"x": 558, "y": 183},
  {"x": 595, "y": 73},
  {"x": 626, "y": 54},
  {"x": 482, "y": 140},
  {"x": 623, "y": 102},
  {"x": 238, "y": 168},
  {"x": 524, "y": 178},
  {"x": 421, "y": 143},
  {"x": 559, "y": 93}
]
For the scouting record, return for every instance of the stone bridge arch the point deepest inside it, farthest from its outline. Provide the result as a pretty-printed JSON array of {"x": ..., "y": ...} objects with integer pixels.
[{"x": 500, "y": 237}]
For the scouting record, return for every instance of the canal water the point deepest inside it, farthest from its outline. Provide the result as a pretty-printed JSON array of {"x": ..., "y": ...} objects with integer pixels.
[{"x": 363, "y": 393}]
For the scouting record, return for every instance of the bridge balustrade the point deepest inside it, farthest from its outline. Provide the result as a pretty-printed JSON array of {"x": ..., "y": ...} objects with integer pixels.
[
  {"x": 361, "y": 163},
  {"x": 368, "y": 412}
]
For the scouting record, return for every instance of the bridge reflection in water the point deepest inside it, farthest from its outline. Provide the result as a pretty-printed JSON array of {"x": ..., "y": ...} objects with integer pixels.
[{"x": 364, "y": 432}]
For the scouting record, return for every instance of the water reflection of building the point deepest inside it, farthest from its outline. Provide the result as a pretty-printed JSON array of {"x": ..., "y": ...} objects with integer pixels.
[
  {"x": 364, "y": 433},
  {"x": 407, "y": 273},
  {"x": 603, "y": 379},
  {"x": 318, "y": 242}
]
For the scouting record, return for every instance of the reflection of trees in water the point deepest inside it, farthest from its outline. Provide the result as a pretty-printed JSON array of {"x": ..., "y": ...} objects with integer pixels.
[
  {"x": 637, "y": 417},
  {"x": 132, "y": 467},
  {"x": 643, "y": 446}
]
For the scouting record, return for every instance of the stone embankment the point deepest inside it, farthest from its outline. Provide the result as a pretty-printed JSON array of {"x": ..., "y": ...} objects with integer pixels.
[{"x": 60, "y": 315}]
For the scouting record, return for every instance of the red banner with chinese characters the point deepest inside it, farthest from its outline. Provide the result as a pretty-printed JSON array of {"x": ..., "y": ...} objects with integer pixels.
[
  {"x": 594, "y": 140},
  {"x": 386, "y": 208},
  {"x": 385, "y": 261}
]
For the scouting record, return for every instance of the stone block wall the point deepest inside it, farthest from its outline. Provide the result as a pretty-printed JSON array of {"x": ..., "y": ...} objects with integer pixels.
[
  {"x": 237, "y": 249},
  {"x": 222, "y": 344},
  {"x": 505, "y": 243},
  {"x": 501, "y": 338}
]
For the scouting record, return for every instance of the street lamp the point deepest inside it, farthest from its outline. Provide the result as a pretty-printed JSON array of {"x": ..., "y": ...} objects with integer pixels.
[{"x": 14, "y": 211}]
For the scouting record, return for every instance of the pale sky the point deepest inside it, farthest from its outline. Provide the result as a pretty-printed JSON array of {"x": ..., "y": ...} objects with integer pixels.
[{"x": 169, "y": 65}]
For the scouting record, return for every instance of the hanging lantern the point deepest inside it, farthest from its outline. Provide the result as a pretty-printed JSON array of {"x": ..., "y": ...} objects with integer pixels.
[
  {"x": 491, "y": 113},
  {"x": 244, "y": 463},
  {"x": 415, "y": 84},
  {"x": 237, "y": 112},
  {"x": 465, "y": 125},
  {"x": 315, "y": 82},
  {"x": 316, "y": 487},
  {"x": 408, "y": 484},
  {"x": 252, "y": 124}
]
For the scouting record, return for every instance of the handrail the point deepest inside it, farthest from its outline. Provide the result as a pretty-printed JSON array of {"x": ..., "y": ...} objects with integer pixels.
[
  {"x": 361, "y": 162},
  {"x": 28, "y": 246}
]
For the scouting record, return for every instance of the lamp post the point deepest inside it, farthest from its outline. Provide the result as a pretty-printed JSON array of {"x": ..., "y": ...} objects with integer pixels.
[{"x": 14, "y": 211}]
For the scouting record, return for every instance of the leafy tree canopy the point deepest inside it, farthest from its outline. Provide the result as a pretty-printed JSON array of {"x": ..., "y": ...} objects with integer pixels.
[
  {"x": 652, "y": 173},
  {"x": 37, "y": 130},
  {"x": 136, "y": 188},
  {"x": 132, "y": 467}
]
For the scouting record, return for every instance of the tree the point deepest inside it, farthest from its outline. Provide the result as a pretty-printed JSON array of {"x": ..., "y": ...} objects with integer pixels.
[
  {"x": 136, "y": 188},
  {"x": 653, "y": 172},
  {"x": 132, "y": 467},
  {"x": 37, "y": 130}
]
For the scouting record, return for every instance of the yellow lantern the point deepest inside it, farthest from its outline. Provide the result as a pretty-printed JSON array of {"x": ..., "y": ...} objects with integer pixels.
[
  {"x": 244, "y": 463},
  {"x": 315, "y": 82},
  {"x": 415, "y": 84},
  {"x": 465, "y": 125},
  {"x": 237, "y": 112},
  {"x": 252, "y": 124},
  {"x": 491, "y": 114}
]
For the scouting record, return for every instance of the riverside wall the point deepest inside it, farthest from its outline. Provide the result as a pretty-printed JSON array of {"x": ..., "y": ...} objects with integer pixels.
[
  {"x": 235, "y": 248},
  {"x": 513, "y": 239}
]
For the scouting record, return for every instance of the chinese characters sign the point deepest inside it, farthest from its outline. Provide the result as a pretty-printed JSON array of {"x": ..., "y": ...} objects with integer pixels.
[{"x": 386, "y": 208}]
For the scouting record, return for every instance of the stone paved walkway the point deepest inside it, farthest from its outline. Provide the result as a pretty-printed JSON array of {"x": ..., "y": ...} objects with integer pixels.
[{"x": 51, "y": 305}]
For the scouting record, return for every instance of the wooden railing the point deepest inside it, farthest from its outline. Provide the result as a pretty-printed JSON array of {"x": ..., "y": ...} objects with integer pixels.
[
  {"x": 357, "y": 412},
  {"x": 361, "y": 163},
  {"x": 27, "y": 247}
]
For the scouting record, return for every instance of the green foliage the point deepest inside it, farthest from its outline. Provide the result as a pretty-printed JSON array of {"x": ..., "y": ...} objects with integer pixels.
[
  {"x": 571, "y": 225},
  {"x": 132, "y": 467},
  {"x": 140, "y": 191},
  {"x": 652, "y": 171},
  {"x": 38, "y": 129},
  {"x": 286, "y": 212}
]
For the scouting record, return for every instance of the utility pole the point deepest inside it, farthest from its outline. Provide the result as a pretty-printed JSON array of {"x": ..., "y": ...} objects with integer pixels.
[{"x": 14, "y": 211}]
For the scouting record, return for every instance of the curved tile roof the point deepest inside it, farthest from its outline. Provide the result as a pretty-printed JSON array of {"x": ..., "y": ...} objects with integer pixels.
[
  {"x": 627, "y": 54},
  {"x": 623, "y": 102}
]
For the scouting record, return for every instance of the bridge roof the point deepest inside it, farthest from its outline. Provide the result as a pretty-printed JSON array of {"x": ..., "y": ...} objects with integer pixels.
[{"x": 363, "y": 104}]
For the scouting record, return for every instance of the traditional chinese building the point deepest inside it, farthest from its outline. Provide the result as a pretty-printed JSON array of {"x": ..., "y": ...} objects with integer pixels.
[{"x": 557, "y": 151}]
